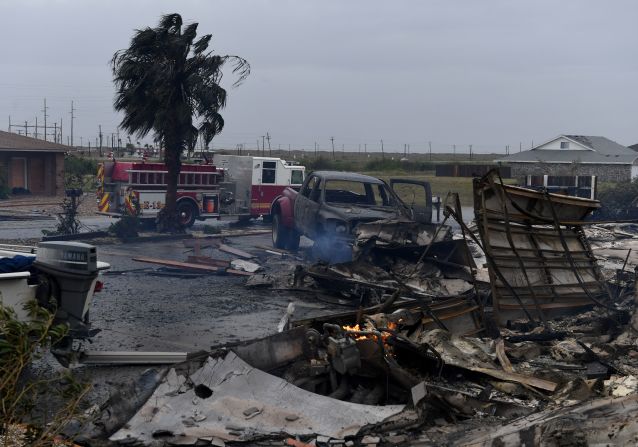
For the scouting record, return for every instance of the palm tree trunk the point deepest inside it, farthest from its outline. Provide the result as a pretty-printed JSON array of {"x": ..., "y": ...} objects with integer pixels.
[{"x": 168, "y": 220}]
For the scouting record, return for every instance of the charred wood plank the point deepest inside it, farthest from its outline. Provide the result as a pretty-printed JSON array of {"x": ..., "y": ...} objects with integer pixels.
[{"x": 235, "y": 251}]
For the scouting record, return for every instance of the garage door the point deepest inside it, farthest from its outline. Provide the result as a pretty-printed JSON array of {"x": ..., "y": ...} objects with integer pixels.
[
  {"x": 36, "y": 175},
  {"x": 18, "y": 176}
]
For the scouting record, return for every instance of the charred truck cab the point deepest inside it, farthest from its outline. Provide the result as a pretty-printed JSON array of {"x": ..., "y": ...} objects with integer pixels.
[{"x": 330, "y": 205}]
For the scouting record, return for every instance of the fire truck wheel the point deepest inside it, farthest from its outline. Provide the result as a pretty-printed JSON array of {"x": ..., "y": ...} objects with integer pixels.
[
  {"x": 293, "y": 240},
  {"x": 280, "y": 234},
  {"x": 187, "y": 213}
]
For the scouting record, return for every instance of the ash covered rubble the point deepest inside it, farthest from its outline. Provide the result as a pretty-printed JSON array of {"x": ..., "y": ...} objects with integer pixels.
[{"x": 433, "y": 355}]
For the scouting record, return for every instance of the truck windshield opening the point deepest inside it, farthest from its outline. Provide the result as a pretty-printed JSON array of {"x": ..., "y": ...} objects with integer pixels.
[{"x": 349, "y": 192}]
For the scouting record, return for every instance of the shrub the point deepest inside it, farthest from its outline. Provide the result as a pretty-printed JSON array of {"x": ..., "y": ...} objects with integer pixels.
[
  {"x": 74, "y": 165},
  {"x": 19, "y": 191},
  {"x": 20, "y": 344},
  {"x": 79, "y": 172},
  {"x": 126, "y": 227},
  {"x": 618, "y": 201}
]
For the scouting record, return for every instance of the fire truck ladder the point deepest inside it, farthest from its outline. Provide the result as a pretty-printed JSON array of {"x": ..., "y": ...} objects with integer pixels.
[{"x": 142, "y": 177}]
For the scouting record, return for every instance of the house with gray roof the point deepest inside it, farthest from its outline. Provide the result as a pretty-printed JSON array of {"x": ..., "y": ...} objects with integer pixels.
[
  {"x": 30, "y": 164},
  {"x": 576, "y": 155}
]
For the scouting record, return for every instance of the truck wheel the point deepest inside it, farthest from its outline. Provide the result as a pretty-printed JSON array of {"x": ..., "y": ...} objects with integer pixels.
[
  {"x": 280, "y": 233},
  {"x": 293, "y": 240},
  {"x": 187, "y": 213}
]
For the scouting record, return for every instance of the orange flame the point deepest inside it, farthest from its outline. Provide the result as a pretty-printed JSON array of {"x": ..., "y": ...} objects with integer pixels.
[{"x": 384, "y": 335}]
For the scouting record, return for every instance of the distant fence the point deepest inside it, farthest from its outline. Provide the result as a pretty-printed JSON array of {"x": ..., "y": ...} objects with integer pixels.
[{"x": 467, "y": 170}]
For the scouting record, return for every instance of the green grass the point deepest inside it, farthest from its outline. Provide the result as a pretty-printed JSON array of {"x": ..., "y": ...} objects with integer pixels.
[{"x": 440, "y": 185}]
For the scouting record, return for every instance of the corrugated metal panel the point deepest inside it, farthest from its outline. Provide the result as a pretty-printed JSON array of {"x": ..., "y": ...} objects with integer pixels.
[{"x": 538, "y": 257}]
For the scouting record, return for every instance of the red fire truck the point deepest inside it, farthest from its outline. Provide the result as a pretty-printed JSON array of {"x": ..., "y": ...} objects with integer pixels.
[{"x": 241, "y": 186}]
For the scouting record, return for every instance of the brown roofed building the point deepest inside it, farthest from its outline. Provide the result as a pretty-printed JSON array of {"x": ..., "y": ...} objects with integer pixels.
[{"x": 32, "y": 164}]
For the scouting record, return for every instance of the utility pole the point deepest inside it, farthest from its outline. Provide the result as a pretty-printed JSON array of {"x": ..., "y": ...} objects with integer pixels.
[
  {"x": 454, "y": 153},
  {"x": 45, "y": 119},
  {"x": 100, "y": 135},
  {"x": 365, "y": 148},
  {"x": 315, "y": 149},
  {"x": 470, "y": 151},
  {"x": 55, "y": 132},
  {"x": 332, "y": 140},
  {"x": 382, "y": 151},
  {"x": 269, "y": 150},
  {"x": 72, "y": 118},
  {"x": 36, "y": 127},
  {"x": 430, "y": 146},
  {"x": 263, "y": 145},
  {"x": 359, "y": 147},
  {"x": 520, "y": 146}
]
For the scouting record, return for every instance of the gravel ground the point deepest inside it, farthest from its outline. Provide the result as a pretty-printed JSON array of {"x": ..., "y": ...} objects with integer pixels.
[{"x": 46, "y": 205}]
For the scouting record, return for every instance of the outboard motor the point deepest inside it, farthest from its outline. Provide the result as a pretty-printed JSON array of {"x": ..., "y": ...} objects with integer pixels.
[{"x": 67, "y": 273}]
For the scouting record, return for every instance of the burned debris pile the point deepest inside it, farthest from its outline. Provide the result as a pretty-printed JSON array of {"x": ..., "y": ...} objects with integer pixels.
[{"x": 431, "y": 354}]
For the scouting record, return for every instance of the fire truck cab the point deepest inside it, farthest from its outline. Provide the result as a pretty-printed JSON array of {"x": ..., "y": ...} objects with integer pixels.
[{"x": 252, "y": 183}]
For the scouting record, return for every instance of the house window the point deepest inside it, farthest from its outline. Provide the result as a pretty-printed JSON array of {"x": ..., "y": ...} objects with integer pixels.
[{"x": 564, "y": 144}]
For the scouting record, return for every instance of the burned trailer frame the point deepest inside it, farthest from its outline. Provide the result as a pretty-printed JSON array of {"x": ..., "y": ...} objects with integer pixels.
[{"x": 539, "y": 260}]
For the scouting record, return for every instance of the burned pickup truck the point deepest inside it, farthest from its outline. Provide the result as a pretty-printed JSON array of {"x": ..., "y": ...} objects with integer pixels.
[{"x": 330, "y": 205}]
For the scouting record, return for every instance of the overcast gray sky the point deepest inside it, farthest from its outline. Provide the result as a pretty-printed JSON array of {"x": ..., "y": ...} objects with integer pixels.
[{"x": 487, "y": 73}]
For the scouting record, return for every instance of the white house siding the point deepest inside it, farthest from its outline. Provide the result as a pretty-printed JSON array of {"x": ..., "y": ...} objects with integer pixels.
[{"x": 554, "y": 145}]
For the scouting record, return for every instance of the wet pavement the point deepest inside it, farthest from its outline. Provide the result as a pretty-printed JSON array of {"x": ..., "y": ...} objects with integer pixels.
[
  {"x": 138, "y": 311},
  {"x": 31, "y": 228}
]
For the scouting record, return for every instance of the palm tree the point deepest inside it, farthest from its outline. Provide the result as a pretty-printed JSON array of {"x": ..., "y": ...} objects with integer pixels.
[{"x": 168, "y": 82}]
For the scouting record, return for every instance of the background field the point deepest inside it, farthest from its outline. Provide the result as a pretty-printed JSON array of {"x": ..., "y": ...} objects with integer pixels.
[{"x": 384, "y": 166}]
